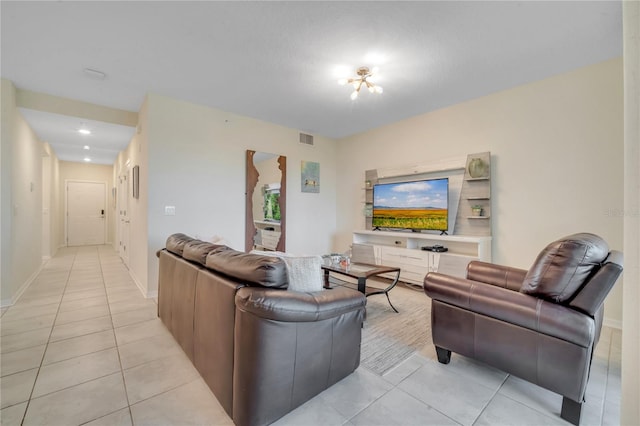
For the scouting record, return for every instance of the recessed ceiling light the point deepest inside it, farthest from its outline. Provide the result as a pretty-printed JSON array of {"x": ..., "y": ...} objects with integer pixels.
[
  {"x": 84, "y": 131},
  {"x": 87, "y": 159},
  {"x": 87, "y": 147}
]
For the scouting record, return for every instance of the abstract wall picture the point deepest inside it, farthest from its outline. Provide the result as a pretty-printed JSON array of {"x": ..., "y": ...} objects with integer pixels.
[{"x": 310, "y": 176}]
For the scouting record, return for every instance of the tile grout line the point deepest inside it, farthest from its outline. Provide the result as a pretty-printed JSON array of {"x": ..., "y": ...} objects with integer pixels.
[
  {"x": 115, "y": 338},
  {"x": 26, "y": 409},
  {"x": 606, "y": 380},
  {"x": 491, "y": 399}
]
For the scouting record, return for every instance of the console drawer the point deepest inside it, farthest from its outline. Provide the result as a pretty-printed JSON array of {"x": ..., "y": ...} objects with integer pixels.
[{"x": 398, "y": 256}]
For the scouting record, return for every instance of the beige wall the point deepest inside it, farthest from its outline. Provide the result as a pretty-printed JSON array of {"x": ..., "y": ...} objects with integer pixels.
[
  {"x": 21, "y": 206},
  {"x": 557, "y": 161},
  {"x": 136, "y": 155},
  {"x": 193, "y": 158},
  {"x": 51, "y": 205},
  {"x": 630, "y": 410},
  {"x": 87, "y": 173}
]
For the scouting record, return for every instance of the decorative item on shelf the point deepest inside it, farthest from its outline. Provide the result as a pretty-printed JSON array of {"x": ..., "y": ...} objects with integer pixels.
[
  {"x": 476, "y": 210},
  {"x": 478, "y": 168},
  {"x": 367, "y": 184},
  {"x": 368, "y": 210}
]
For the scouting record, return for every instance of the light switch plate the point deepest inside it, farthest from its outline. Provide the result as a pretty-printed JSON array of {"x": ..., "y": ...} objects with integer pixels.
[{"x": 169, "y": 210}]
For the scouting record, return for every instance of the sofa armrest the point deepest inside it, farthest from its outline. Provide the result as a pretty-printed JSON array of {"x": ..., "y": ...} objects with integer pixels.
[
  {"x": 293, "y": 306},
  {"x": 513, "y": 307},
  {"x": 498, "y": 275}
]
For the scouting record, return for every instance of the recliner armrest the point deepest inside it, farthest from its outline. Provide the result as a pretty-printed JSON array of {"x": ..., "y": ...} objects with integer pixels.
[
  {"x": 498, "y": 275},
  {"x": 293, "y": 306},
  {"x": 512, "y": 307}
]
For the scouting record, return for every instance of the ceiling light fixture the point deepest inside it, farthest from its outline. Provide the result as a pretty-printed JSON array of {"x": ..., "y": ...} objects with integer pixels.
[
  {"x": 87, "y": 159},
  {"x": 87, "y": 147},
  {"x": 364, "y": 74},
  {"x": 84, "y": 131}
]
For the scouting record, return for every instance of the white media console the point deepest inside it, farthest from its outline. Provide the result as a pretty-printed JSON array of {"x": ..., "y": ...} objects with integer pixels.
[{"x": 403, "y": 250}]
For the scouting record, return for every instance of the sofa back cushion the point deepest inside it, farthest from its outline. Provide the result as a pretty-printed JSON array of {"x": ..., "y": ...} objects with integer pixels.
[
  {"x": 175, "y": 243},
  {"x": 564, "y": 265},
  {"x": 252, "y": 268},
  {"x": 197, "y": 251}
]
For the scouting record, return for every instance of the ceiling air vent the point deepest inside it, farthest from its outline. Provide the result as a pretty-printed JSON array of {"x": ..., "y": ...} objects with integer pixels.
[{"x": 306, "y": 139}]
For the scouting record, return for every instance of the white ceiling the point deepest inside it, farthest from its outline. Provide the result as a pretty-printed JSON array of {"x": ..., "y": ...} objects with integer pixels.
[
  {"x": 279, "y": 61},
  {"x": 61, "y": 131}
]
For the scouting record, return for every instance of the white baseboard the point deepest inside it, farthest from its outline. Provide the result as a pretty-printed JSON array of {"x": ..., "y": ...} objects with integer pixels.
[
  {"x": 608, "y": 322},
  {"x": 5, "y": 303},
  {"x": 137, "y": 282},
  {"x": 145, "y": 293}
]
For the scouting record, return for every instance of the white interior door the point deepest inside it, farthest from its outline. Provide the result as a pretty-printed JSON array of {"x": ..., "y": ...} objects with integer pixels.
[
  {"x": 123, "y": 217},
  {"x": 86, "y": 209}
]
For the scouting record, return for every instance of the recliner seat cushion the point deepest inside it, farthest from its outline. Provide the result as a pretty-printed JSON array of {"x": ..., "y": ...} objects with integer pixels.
[{"x": 564, "y": 265}]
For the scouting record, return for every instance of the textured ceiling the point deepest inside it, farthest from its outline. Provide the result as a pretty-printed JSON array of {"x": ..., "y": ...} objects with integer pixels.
[{"x": 279, "y": 61}]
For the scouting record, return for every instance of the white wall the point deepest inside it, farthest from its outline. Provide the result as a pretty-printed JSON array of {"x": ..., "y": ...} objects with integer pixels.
[
  {"x": 21, "y": 200},
  {"x": 557, "y": 161},
  {"x": 196, "y": 162},
  {"x": 88, "y": 173}
]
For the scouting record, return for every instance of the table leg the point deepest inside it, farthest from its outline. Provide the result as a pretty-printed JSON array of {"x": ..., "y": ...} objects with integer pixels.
[
  {"x": 362, "y": 285},
  {"x": 326, "y": 279}
]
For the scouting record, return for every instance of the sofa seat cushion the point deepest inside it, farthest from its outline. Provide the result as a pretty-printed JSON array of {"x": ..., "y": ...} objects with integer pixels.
[
  {"x": 564, "y": 265},
  {"x": 175, "y": 243},
  {"x": 252, "y": 268}
]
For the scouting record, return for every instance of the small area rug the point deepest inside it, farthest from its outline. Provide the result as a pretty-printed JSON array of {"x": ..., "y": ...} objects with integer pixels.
[{"x": 389, "y": 338}]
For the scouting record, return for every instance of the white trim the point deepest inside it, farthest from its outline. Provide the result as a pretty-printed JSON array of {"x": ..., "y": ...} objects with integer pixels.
[
  {"x": 445, "y": 164},
  {"x": 146, "y": 294},
  {"x": 45, "y": 259},
  {"x": 5, "y": 303},
  {"x": 608, "y": 322}
]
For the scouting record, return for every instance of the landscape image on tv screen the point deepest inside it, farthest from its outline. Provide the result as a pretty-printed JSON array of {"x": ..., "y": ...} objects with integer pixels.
[{"x": 419, "y": 205}]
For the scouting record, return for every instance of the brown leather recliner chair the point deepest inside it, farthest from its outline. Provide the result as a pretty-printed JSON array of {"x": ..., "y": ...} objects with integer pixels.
[{"x": 540, "y": 325}]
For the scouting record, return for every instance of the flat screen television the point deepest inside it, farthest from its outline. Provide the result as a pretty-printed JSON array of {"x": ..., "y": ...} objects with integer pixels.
[{"x": 416, "y": 205}]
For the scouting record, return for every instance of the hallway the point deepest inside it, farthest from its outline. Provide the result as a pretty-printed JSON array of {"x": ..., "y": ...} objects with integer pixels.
[{"x": 83, "y": 345}]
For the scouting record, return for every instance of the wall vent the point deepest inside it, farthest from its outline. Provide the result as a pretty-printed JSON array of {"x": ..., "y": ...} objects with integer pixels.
[{"x": 306, "y": 139}]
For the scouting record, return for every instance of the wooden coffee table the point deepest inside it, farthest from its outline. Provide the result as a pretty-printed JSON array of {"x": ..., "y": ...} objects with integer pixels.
[{"x": 362, "y": 271}]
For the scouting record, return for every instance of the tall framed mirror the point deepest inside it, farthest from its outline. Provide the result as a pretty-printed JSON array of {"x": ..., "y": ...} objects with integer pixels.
[{"x": 265, "y": 201}]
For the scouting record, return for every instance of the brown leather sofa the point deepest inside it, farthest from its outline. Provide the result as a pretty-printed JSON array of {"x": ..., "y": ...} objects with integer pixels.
[
  {"x": 261, "y": 349},
  {"x": 540, "y": 325}
]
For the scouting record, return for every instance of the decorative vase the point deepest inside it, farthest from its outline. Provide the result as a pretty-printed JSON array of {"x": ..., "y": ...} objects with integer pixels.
[
  {"x": 478, "y": 168},
  {"x": 476, "y": 212}
]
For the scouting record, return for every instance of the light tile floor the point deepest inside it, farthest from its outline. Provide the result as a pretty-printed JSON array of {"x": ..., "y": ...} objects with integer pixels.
[{"x": 82, "y": 346}]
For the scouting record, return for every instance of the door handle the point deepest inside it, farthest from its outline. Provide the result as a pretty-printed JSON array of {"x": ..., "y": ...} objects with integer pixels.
[{"x": 102, "y": 212}]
